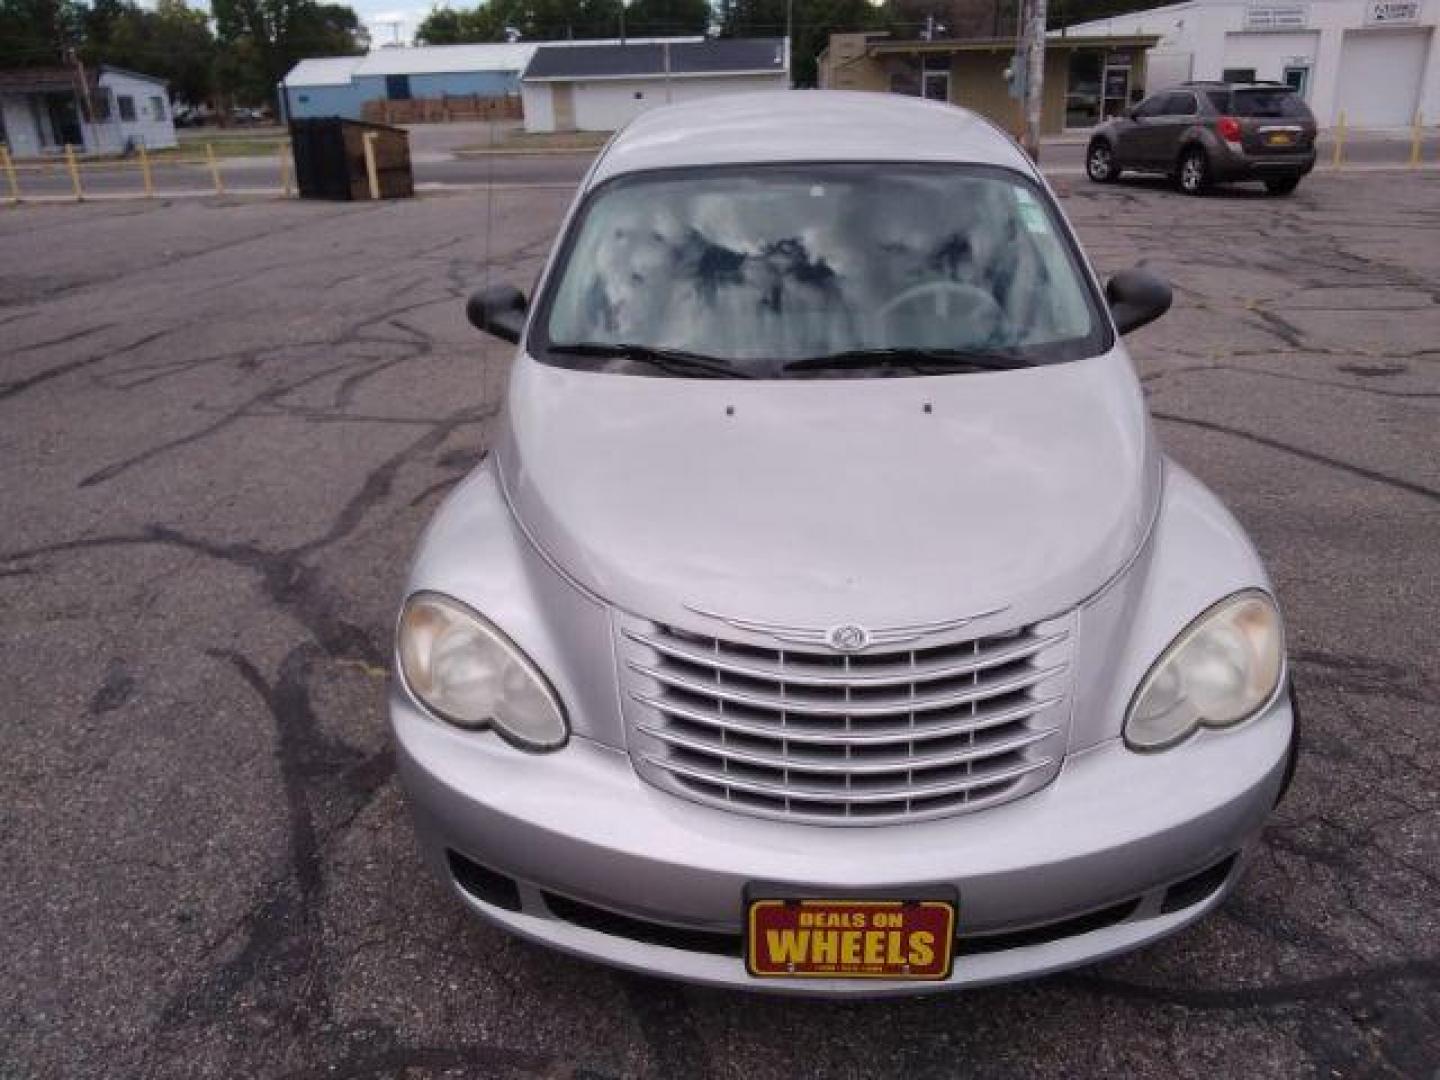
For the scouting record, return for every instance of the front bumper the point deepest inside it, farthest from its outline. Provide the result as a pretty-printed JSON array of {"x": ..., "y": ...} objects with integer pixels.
[{"x": 587, "y": 855}]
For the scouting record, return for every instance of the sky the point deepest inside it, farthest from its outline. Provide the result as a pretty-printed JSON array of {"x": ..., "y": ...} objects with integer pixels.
[
  {"x": 385, "y": 20},
  {"x": 381, "y": 17}
]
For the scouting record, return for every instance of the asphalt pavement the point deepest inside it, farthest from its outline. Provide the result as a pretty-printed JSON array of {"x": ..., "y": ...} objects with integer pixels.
[{"x": 224, "y": 424}]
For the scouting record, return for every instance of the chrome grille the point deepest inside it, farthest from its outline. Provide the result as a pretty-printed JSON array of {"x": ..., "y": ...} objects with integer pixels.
[{"x": 864, "y": 738}]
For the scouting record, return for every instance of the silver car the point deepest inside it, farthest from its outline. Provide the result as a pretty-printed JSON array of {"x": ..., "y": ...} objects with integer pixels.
[{"x": 827, "y": 618}]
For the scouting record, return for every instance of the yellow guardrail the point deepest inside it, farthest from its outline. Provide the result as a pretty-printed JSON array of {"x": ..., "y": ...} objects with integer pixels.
[
  {"x": 148, "y": 164},
  {"x": 10, "y": 176}
]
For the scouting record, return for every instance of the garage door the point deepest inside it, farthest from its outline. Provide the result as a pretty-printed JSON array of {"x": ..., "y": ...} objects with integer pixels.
[{"x": 1380, "y": 76}]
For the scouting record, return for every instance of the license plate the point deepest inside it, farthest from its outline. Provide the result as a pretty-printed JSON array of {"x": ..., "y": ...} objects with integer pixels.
[
  {"x": 1280, "y": 138},
  {"x": 850, "y": 939}
]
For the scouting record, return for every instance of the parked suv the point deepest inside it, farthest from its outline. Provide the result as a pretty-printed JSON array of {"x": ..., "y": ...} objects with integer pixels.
[{"x": 1201, "y": 133}]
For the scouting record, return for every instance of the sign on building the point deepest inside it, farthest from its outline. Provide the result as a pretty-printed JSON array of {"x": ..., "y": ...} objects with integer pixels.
[
  {"x": 1284, "y": 16},
  {"x": 1388, "y": 12}
]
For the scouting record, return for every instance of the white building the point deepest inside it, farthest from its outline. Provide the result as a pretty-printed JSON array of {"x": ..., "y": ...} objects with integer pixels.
[
  {"x": 43, "y": 110},
  {"x": 341, "y": 85},
  {"x": 601, "y": 87},
  {"x": 1374, "y": 60}
]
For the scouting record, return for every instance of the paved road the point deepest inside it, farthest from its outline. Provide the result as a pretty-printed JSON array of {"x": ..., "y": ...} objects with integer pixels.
[
  {"x": 223, "y": 425},
  {"x": 436, "y": 165}
]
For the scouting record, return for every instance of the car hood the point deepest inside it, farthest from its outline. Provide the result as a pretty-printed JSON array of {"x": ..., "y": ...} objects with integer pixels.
[{"x": 818, "y": 502}]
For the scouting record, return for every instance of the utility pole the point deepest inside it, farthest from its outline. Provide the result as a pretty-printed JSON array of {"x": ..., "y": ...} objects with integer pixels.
[
  {"x": 87, "y": 115},
  {"x": 1034, "y": 77},
  {"x": 790, "y": 40}
]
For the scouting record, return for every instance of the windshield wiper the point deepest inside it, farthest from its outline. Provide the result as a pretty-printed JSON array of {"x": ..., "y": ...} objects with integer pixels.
[
  {"x": 672, "y": 361},
  {"x": 940, "y": 359}
]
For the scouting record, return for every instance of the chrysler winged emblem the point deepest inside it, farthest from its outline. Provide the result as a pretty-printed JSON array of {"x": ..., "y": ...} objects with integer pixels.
[{"x": 847, "y": 637}]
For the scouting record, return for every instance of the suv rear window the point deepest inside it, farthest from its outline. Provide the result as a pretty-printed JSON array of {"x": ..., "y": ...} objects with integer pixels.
[{"x": 1268, "y": 102}]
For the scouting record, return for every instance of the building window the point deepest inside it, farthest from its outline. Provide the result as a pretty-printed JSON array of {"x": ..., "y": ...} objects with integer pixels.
[
  {"x": 935, "y": 80},
  {"x": 1297, "y": 78},
  {"x": 126, "y": 104},
  {"x": 906, "y": 81},
  {"x": 1241, "y": 75},
  {"x": 927, "y": 77},
  {"x": 1082, "y": 87},
  {"x": 157, "y": 107},
  {"x": 397, "y": 87},
  {"x": 304, "y": 99}
]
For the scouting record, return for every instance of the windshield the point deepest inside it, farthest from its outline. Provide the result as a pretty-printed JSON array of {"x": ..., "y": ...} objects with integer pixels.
[{"x": 870, "y": 264}]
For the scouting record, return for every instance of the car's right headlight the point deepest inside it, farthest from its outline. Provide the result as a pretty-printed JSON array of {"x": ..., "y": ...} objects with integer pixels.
[
  {"x": 464, "y": 670},
  {"x": 1222, "y": 669}
]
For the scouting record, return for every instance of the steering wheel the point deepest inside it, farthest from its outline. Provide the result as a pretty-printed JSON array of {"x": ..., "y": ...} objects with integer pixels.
[{"x": 954, "y": 301}]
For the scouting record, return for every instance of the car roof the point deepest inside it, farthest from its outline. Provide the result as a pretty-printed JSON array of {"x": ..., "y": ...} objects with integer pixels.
[
  {"x": 806, "y": 125},
  {"x": 1218, "y": 85}
]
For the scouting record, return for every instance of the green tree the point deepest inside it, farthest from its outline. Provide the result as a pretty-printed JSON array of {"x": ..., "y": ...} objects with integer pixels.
[
  {"x": 326, "y": 30},
  {"x": 552, "y": 20},
  {"x": 173, "y": 41},
  {"x": 662, "y": 18},
  {"x": 542, "y": 20},
  {"x": 814, "y": 22},
  {"x": 39, "y": 33},
  {"x": 448, "y": 26},
  {"x": 260, "y": 40}
]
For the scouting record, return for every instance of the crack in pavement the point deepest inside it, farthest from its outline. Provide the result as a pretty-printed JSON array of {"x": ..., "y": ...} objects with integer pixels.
[{"x": 1398, "y": 483}]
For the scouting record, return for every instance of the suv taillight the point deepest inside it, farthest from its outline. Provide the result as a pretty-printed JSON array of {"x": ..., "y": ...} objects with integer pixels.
[{"x": 1229, "y": 129}]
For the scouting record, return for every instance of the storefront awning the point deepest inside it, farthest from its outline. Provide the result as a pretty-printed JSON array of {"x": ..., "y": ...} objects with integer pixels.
[
  {"x": 1008, "y": 45},
  {"x": 42, "y": 80}
]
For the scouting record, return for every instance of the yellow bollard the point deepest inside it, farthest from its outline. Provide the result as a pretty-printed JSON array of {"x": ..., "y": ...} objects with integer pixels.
[
  {"x": 145, "y": 173},
  {"x": 74, "y": 168},
  {"x": 372, "y": 174},
  {"x": 285, "y": 168},
  {"x": 1416, "y": 130},
  {"x": 10, "y": 175},
  {"x": 214, "y": 168},
  {"x": 1339, "y": 141}
]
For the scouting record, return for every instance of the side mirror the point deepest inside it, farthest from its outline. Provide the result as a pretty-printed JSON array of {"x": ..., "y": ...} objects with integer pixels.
[
  {"x": 1137, "y": 297},
  {"x": 498, "y": 310}
]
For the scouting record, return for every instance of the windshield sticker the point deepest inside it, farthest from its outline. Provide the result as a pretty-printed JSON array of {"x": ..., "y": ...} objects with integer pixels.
[{"x": 1030, "y": 212}]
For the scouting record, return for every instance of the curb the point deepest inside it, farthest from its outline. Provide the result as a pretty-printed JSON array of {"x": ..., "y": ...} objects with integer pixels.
[
  {"x": 536, "y": 151},
  {"x": 140, "y": 196}
]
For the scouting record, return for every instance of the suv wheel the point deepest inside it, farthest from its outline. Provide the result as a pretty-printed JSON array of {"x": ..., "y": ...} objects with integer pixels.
[
  {"x": 1194, "y": 172},
  {"x": 1100, "y": 162},
  {"x": 1282, "y": 185}
]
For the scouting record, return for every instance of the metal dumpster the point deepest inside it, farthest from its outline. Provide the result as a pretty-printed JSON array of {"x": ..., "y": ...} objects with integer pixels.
[{"x": 330, "y": 159}]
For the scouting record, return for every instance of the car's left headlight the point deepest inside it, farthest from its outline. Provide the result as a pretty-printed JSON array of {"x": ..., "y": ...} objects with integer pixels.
[
  {"x": 1222, "y": 669},
  {"x": 464, "y": 670}
]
